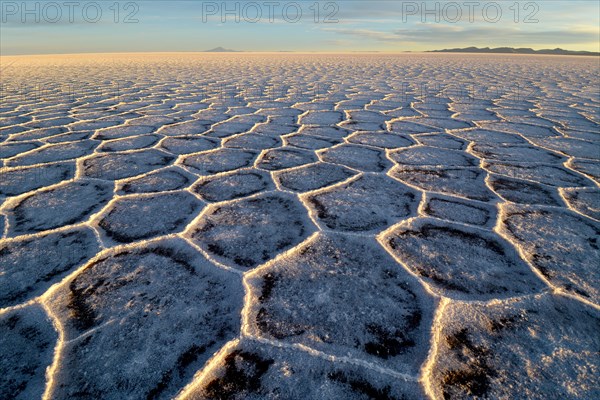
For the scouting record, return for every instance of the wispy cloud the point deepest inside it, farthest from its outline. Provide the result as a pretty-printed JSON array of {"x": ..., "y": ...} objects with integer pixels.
[
  {"x": 435, "y": 34},
  {"x": 366, "y": 34}
]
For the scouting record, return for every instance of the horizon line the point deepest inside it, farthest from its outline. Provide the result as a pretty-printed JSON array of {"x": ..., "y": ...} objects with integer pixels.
[{"x": 238, "y": 52}]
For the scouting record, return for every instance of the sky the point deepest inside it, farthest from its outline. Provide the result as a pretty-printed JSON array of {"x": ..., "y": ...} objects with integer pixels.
[{"x": 64, "y": 26}]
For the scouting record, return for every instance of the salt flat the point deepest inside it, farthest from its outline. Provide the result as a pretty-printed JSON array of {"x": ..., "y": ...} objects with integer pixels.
[{"x": 299, "y": 226}]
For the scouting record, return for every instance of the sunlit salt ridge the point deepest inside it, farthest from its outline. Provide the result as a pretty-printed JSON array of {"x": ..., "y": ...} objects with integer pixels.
[{"x": 299, "y": 226}]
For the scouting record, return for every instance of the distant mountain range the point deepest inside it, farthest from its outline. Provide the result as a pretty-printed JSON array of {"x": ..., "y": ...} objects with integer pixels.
[
  {"x": 497, "y": 50},
  {"x": 220, "y": 50},
  {"x": 511, "y": 50}
]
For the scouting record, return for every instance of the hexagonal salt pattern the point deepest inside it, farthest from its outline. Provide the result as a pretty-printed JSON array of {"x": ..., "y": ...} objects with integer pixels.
[
  {"x": 368, "y": 204},
  {"x": 545, "y": 346},
  {"x": 562, "y": 245},
  {"x": 57, "y": 206},
  {"x": 233, "y": 185},
  {"x": 31, "y": 265},
  {"x": 300, "y": 227},
  {"x": 312, "y": 177},
  {"x": 112, "y": 166},
  {"x": 460, "y": 262},
  {"x": 249, "y": 232},
  {"x": 123, "y": 319},
  {"x": 16, "y": 181},
  {"x": 322, "y": 296},
  {"x": 132, "y": 218},
  {"x": 27, "y": 340},
  {"x": 250, "y": 370}
]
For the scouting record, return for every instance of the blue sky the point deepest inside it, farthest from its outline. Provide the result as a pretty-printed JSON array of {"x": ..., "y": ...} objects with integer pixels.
[{"x": 390, "y": 26}]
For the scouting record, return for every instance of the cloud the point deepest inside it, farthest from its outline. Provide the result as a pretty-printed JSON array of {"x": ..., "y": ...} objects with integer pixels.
[
  {"x": 448, "y": 34},
  {"x": 365, "y": 33},
  {"x": 435, "y": 34}
]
